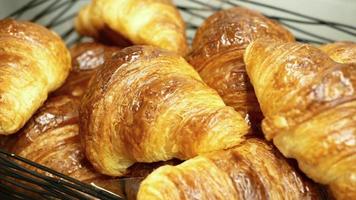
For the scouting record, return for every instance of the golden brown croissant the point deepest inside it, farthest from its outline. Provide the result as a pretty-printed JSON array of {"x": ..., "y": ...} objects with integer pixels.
[
  {"x": 33, "y": 62},
  {"x": 148, "y": 105},
  {"x": 252, "y": 170},
  {"x": 217, "y": 54},
  {"x": 51, "y": 137},
  {"x": 342, "y": 52},
  {"x": 309, "y": 104},
  {"x": 150, "y": 22}
]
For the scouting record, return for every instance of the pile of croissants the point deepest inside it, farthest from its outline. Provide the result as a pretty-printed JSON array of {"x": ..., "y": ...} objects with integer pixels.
[{"x": 193, "y": 123}]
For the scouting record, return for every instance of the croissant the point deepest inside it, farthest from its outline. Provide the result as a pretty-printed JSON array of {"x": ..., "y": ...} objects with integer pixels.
[
  {"x": 147, "y": 105},
  {"x": 51, "y": 137},
  {"x": 33, "y": 62},
  {"x": 217, "y": 55},
  {"x": 309, "y": 104},
  {"x": 342, "y": 52},
  {"x": 150, "y": 22},
  {"x": 252, "y": 170}
]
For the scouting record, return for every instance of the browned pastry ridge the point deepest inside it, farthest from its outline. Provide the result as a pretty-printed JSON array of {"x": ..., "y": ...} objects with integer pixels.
[
  {"x": 217, "y": 55},
  {"x": 33, "y": 62},
  {"x": 252, "y": 170},
  {"x": 148, "y": 22},
  {"x": 309, "y": 104},
  {"x": 148, "y": 105},
  {"x": 342, "y": 52},
  {"x": 51, "y": 137}
]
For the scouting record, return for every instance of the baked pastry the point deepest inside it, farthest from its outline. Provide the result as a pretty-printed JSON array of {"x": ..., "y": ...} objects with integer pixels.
[
  {"x": 342, "y": 52},
  {"x": 252, "y": 170},
  {"x": 309, "y": 104},
  {"x": 149, "y": 22},
  {"x": 148, "y": 105},
  {"x": 33, "y": 62},
  {"x": 86, "y": 58},
  {"x": 217, "y": 55},
  {"x": 51, "y": 137}
]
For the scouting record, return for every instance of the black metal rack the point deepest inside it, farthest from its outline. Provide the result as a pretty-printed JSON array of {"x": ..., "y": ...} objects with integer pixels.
[{"x": 59, "y": 15}]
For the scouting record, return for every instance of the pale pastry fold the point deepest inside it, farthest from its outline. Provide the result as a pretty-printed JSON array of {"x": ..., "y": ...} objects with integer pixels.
[{"x": 342, "y": 52}]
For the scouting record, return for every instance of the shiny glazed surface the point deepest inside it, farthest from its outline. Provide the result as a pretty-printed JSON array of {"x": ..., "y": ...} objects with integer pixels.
[
  {"x": 309, "y": 104},
  {"x": 86, "y": 59},
  {"x": 217, "y": 54},
  {"x": 251, "y": 170},
  {"x": 51, "y": 137},
  {"x": 33, "y": 62}
]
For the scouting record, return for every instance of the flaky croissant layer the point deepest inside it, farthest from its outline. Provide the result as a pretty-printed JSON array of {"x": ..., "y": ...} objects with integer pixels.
[
  {"x": 309, "y": 104},
  {"x": 147, "y": 105},
  {"x": 33, "y": 62},
  {"x": 217, "y": 55},
  {"x": 149, "y": 22},
  {"x": 252, "y": 170}
]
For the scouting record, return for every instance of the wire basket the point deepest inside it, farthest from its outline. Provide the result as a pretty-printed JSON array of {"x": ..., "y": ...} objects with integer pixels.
[
  {"x": 59, "y": 15},
  {"x": 44, "y": 183}
]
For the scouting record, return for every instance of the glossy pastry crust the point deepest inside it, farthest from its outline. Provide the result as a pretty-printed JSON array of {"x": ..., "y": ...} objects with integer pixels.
[
  {"x": 51, "y": 137},
  {"x": 342, "y": 52},
  {"x": 148, "y": 105},
  {"x": 252, "y": 170},
  {"x": 33, "y": 62},
  {"x": 86, "y": 58},
  {"x": 149, "y": 22},
  {"x": 217, "y": 54},
  {"x": 309, "y": 104}
]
